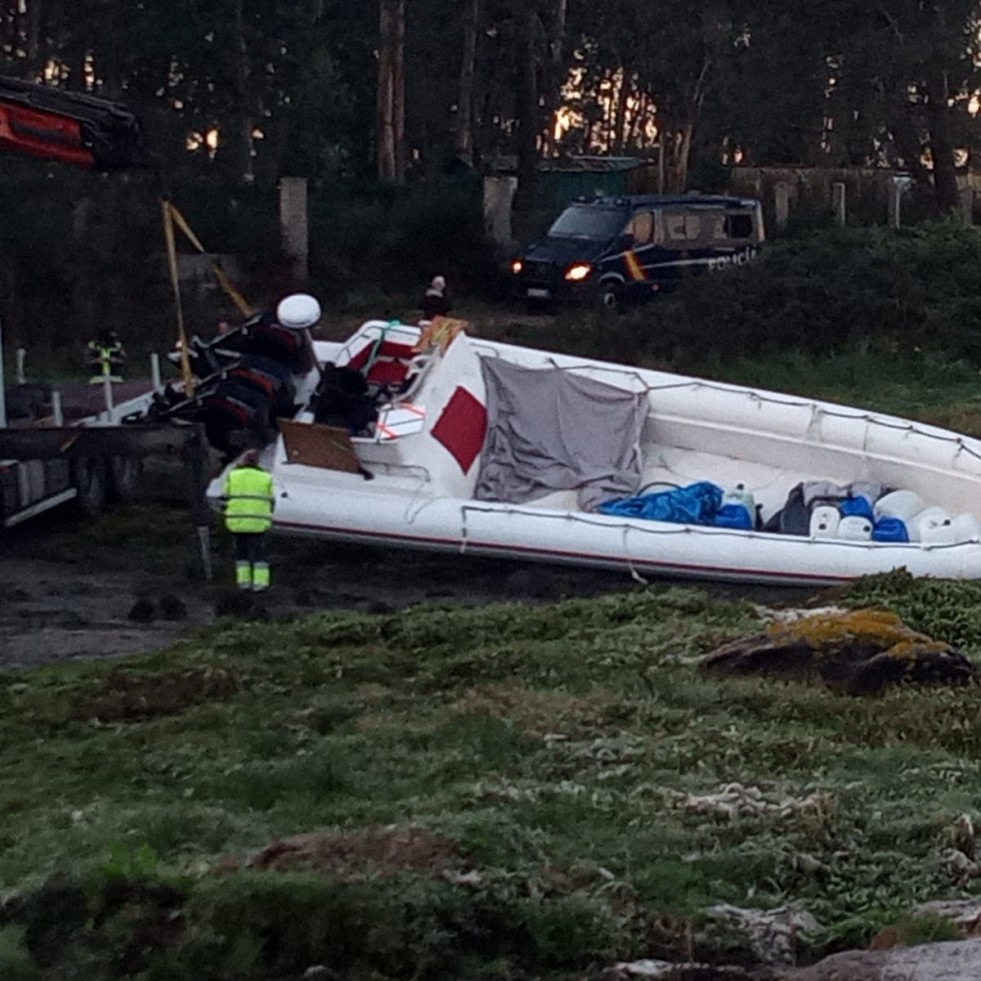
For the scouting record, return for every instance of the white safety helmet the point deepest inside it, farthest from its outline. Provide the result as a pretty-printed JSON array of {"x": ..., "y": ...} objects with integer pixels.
[{"x": 298, "y": 311}]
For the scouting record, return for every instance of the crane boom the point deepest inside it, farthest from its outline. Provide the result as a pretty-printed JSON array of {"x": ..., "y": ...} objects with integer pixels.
[{"x": 82, "y": 130}]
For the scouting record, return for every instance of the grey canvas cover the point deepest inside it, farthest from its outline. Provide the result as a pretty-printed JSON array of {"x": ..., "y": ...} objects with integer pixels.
[{"x": 549, "y": 429}]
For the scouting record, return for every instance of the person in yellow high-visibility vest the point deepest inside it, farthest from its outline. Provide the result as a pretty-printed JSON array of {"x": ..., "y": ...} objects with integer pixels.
[
  {"x": 249, "y": 502},
  {"x": 106, "y": 356}
]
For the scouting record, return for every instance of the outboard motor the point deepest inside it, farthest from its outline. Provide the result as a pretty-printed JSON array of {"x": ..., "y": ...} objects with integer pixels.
[{"x": 247, "y": 377}]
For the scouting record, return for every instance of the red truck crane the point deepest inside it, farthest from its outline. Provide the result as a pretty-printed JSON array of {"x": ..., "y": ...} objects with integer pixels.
[{"x": 41, "y": 467}]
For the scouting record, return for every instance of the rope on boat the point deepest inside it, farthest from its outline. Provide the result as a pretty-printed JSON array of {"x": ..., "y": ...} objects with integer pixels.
[
  {"x": 900, "y": 425},
  {"x": 679, "y": 529}
]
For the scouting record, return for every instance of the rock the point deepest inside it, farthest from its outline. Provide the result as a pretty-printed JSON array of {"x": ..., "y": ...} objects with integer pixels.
[
  {"x": 172, "y": 607},
  {"x": 142, "y": 611},
  {"x": 965, "y": 914},
  {"x": 858, "y": 651},
  {"x": 772, "y": 935},
  {"x": 956, "y": 960},
  {"x": 233, "y": 603},
  {"x": 671, "y": 971}
]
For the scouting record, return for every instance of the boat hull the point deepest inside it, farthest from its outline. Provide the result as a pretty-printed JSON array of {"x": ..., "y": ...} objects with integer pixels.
[
  {"x": 421, "y": 486},
  {"x": 639, "y": 548}
]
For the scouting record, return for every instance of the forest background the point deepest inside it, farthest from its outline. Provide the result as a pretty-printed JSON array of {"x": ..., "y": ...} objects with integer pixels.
[{"x": 393, "y": 111}]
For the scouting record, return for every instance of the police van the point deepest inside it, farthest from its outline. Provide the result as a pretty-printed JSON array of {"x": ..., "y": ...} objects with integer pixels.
[{"x": 625, "y": 250}]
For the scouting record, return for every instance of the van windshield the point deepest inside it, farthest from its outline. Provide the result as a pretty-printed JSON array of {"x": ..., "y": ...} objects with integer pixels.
[{"x": 583, "y": 221}]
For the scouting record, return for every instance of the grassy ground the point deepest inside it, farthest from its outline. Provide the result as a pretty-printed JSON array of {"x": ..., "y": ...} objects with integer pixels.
[
  {"x": 507, "y": 792},
  {"x": 495, "y": 791}
]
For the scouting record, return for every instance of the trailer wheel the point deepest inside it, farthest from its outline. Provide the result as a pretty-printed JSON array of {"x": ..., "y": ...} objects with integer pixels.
[
  {"x": 91, "y": 484},
  {"x": 124, "y": 476}
]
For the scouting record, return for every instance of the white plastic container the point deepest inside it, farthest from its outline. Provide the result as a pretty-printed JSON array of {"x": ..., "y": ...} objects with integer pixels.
[
  {"x": 902, "y": 504},
  {"x": 925, "y": 521},
  {"x": 824, "y": 521},
  {"x": 966, "y": 528},
  {"x": 739, "y": 495},
  {"x": 934, "y": 527},
  {"x": 855, "y": 529}
]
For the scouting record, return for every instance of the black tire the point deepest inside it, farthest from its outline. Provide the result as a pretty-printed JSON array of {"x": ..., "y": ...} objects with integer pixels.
[
  {"x": 611, "y": 297},
  {"x": 124, "y": 476},
  {"x": 90, "y": 479}
]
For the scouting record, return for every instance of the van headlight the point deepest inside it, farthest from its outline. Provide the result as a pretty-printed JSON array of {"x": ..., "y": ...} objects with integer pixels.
[
  {"x": 516, "y": 266},
  {"x": 578, "y": 272}
]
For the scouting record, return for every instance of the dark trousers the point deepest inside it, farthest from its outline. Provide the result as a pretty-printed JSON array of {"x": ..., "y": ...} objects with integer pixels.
[
  {"x": 251, "y": 560},
  {"x": 251, "y": 548}
]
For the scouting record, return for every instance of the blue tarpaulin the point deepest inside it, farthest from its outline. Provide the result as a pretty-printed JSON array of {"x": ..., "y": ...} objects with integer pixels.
[{"x": 696, "y": 504}]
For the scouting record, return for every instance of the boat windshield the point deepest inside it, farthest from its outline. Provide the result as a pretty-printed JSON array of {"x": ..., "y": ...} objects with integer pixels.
[{"x": 588, "y": 221}]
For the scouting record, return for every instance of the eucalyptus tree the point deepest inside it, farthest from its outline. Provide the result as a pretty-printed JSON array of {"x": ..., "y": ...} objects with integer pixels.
[
  {"x": 649, "y": 71},
  {"x": 908, "y": 69},
  {"x": 890, "y": 83}
]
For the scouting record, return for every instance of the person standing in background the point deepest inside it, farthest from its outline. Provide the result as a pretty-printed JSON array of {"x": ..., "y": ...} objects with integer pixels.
[
  {"x": 106, "y": 356},
  {"x": 436, "y": 302},
  {"x": 249, "y": 502}
]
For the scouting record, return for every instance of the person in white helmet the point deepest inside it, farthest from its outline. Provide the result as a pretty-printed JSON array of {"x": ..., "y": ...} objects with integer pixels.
[{"x": 298, "y": 311}]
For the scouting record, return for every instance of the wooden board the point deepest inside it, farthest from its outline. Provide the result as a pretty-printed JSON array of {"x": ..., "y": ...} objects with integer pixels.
[{"x": 315, "y": 445}]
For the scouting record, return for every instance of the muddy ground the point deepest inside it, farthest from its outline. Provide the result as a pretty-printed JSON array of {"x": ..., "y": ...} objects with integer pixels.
[
  {"x": 73, "y": 590},
  {"x": 56, "y": 610}
]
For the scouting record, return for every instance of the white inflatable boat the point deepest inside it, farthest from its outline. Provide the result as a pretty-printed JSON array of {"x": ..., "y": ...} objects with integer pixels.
[{"x": 485, "y": 448}]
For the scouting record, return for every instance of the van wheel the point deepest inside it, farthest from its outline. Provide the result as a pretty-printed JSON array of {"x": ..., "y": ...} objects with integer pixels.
[
  {"x": 124, "y": 475},
  {"x": 611, "y": 297},
  {"x": 91, "y": 484}
]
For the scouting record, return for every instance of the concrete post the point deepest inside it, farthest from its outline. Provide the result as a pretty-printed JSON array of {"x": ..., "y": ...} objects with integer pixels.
[
  {"x": 21, "y": 357},
  {"x": 155, "y": 371},
  {"x": 56, "y": 414},
  {"x": 499, "y": 191},
  {"x": 781, "y": 203},
  {"x": 838, "y": 203},
  {"x": 895, "y": 203},
  {"x": 293, "y": 225},
  {"x": 967, "y": 205},
  {"x": 195, "y": 452},
  {"x": 107, "y": 394}
]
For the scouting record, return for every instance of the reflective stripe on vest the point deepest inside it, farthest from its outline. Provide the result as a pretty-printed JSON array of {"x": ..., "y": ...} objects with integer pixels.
[{"x": 249, "y": 500}]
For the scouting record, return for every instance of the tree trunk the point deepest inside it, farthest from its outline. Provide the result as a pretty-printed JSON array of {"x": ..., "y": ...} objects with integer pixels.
[
  {"x": 906, "y": 137},
  {"x": 465, "y": 97},
  {"x": 32, "y": 41},
  {"x": 398, "y": 91},
  {"x": 556, "y": 69},
  {"x": 391, "y": 91},
  {"x": 528, "y": 114},
  {"x": 244, "y": 119},
  {"x": 386, "y": 96},
  {"x": 941, "y": 144},
  {"x": 620, "y": 122}
]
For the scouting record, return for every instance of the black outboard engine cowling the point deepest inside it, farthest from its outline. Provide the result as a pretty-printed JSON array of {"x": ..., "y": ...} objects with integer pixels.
[{"x": 342, "y": 399}]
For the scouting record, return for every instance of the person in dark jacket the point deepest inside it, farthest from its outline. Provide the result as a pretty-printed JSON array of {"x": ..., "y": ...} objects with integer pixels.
[{"x": 435, "y": 303}]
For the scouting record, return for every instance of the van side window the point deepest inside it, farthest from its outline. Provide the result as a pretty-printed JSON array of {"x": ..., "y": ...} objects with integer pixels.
[
  {"x": 739, "y": 226},
  {"x": 680, "y": 227},
  {"x": 732, "y": 227},
  {"x": 642, "y": 227}
]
